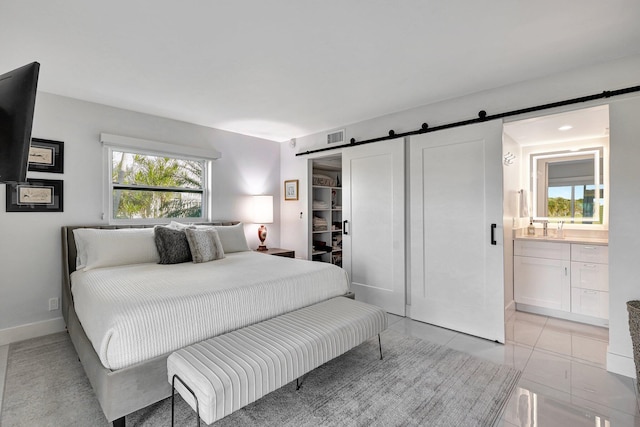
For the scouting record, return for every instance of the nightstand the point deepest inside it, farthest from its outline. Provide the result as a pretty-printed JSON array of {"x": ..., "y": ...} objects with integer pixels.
[{"x": 279, "y": 252}]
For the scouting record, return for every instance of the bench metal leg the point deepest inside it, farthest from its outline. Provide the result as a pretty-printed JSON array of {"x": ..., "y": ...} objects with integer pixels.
[
  {"x": 173, "y": 394},
  {"x": 380, "y": 345},
  {"x": 299, "y": 382},
  {"x": 120, "y": 422}
]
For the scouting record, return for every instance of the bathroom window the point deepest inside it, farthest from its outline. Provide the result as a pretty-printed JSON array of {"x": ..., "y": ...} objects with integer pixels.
[{"x": 575, "y": 203}]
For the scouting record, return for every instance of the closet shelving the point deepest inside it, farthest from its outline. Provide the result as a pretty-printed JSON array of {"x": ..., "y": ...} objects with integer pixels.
[{"x": 326, "y": 207}]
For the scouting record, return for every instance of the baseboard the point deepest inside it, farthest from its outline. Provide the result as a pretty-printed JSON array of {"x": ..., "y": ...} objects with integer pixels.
[
  {"x": 563, "y": 315},
  {"x": 31, "y": 330},
  {"x": 622, "y": 365},
  {"x": 509, "y": 310}
]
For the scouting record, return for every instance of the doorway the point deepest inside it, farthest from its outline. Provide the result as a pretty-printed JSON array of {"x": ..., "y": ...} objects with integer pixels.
[{"x": 556, "y": 179}]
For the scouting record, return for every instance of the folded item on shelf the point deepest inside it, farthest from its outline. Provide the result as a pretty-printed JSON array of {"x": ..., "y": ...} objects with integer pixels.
[
  {"x": 320, "y": 204},
  {"x": 320, "y": 224},
  {"x": 324, "y": 180}
]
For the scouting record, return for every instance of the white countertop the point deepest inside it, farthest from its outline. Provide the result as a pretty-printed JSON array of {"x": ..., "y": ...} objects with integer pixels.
[{"x": 568, "y": 239}]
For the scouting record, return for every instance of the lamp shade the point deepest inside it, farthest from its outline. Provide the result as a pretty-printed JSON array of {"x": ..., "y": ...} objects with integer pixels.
[{"x": 262, "y": 209}]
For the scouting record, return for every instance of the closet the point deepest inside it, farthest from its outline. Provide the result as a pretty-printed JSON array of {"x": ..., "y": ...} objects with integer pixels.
[{"x": 325, "y": 236}]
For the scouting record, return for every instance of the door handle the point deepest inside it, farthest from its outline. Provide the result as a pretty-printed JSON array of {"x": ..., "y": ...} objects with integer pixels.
[
  {"x": 344, "y": 227},
  {"x": 493, "y": 237}
]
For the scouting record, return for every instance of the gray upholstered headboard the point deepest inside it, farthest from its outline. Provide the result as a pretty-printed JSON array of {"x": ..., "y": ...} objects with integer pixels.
[{"x": 69, "y": 253}]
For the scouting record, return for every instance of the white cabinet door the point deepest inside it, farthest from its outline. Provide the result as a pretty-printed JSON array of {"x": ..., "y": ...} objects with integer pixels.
[
  {"x": 373, "y": 242},
  {"x": 542, "y": 282},
  {"x": 457, "y": 274}
]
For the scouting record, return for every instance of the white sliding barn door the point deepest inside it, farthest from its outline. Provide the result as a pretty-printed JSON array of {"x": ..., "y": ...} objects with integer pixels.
[
  {"x": 373, "y": 213},
  {"x": 455, "y": 183}
]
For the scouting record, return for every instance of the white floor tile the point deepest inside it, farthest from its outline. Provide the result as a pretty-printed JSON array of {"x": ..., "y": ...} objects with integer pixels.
[
  {"x": 555, "y": 342},
  {"x": 606, "y": 388},
  {"x": 549, "y": 369},
  {"x": 508, "y": 354},
  {"x": 534, "y": 404},
  {"x": 575, "y": 328},
  {"x": 591, "y": 350},
  {"x": 523, "y": 332}
]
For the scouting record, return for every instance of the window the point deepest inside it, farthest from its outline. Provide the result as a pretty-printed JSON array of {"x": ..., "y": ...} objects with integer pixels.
[
  {"x": 575, "y": 203},
  {"x": 144, "y": 186}
]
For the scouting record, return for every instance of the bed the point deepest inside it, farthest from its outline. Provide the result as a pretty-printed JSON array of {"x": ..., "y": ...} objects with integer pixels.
[{"x": 124, "y": 320}]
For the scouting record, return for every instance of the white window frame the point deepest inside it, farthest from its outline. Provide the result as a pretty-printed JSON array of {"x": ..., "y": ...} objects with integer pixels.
[{"x": 113, "y": 143}]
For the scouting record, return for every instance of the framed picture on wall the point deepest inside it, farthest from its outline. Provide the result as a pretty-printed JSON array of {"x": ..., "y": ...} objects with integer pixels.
[
  {"x": 46, "y": 156},
  {"x": 291, "y": 189},
  {"x": 35, "y": 195}
]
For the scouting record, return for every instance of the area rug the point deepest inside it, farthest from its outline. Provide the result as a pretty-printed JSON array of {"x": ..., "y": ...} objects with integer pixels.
[{"x": 418, "y": 383}]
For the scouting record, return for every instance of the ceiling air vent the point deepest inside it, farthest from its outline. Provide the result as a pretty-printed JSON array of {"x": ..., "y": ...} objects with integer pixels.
[{"x": 335, "y": 137}]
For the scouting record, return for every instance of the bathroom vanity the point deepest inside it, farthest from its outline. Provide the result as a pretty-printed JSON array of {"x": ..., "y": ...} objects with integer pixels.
[{"x": 566, "y": 278}]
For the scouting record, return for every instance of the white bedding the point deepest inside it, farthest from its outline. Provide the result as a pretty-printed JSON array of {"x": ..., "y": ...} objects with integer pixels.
[{"x": 135, "y": 312}]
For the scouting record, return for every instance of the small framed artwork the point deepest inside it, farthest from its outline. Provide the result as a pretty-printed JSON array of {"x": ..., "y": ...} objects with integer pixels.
[
  {"x": 36, "y": 195},
  {"x": 291, "y": 189},
  {"x": 46, "y": 156}
]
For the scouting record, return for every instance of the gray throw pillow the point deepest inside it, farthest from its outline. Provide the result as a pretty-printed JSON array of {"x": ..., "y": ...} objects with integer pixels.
[
  {"x": 172, "y": 245},
  {"x": 232, "y": 238},
  {"x": 205, "y": 244}
]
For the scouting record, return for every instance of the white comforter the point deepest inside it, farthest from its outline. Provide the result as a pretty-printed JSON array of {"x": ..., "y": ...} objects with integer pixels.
[{"x": 135, "y": 312}]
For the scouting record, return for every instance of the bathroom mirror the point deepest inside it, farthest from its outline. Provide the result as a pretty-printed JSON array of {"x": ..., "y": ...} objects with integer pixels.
[{"x": 568, "y": 186}]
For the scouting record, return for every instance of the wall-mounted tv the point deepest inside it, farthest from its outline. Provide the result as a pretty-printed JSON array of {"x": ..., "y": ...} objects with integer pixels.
[{"x": 17, "y": 102}]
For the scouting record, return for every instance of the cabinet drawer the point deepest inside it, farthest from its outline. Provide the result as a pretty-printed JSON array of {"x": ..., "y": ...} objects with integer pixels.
[
  {"x": 537, "y": 249},
  {"x": 590, "y": 303},
  {"x": 590, "y": 253},
  {"x": 590, "y": 275}
]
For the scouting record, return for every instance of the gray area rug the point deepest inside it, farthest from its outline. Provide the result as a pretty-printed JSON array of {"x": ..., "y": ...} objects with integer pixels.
[{"x": 418, "y": 383}]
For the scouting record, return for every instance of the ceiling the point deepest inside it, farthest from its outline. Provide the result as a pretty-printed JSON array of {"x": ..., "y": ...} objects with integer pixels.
[
  {"x": 287, "y": 68},
  {"x": 576, "y": 125}
]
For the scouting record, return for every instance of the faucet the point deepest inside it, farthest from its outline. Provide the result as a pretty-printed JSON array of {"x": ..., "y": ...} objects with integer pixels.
[{"x": 544, "y": 223}]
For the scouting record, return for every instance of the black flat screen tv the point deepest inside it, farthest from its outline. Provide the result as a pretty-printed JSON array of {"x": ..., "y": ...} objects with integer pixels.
[{"x": 17, "y": 102}]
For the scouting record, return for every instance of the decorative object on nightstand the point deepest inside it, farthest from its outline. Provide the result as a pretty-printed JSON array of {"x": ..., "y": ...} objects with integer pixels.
[{"x": 262, "y": 212}]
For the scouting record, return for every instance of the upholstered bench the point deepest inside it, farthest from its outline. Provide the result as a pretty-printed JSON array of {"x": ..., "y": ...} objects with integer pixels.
[{"x": 225, "y": 373}]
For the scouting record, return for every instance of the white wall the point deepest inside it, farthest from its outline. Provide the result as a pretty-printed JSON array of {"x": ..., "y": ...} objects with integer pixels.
[
  {"x": 624, "y": 233},
  {"x": 30, "y": 243},
  {"x": 581, "y": 82},
  {"x": 510, "y": 211}
]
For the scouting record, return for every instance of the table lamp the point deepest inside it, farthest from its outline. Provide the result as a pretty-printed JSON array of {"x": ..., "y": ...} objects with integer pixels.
[{"x": 262, "y": 212}]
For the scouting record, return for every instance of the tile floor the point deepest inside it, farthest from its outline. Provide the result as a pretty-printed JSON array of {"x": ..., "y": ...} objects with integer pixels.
[{"x": 564, "y": 381}]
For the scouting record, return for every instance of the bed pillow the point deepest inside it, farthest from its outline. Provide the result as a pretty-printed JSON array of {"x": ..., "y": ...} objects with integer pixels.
[
  {"x": 111, "y": 247},
  {"x": 232, "y": 238},
  {"x": 172, "y": 245},
  {"x": 205, "y": 244},
  {"x": 177, "y": 225}
]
